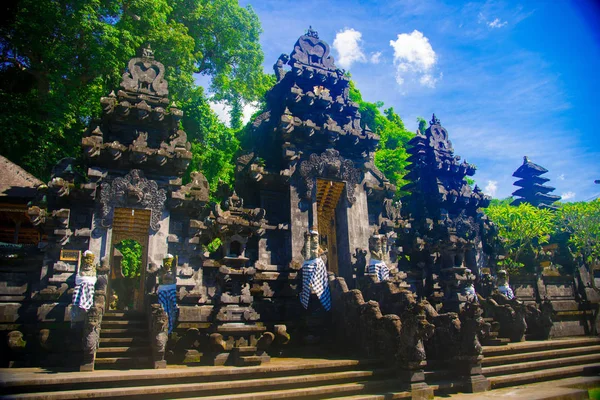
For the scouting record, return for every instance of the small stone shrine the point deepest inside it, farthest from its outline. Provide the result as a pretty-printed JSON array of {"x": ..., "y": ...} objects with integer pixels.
[
  {"x": 441, "y": 221},
  {"x": 532, "y": 188}
]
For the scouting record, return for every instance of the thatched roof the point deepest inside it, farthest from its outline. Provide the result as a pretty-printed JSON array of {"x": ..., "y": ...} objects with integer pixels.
[{"x": 15, "y": 181}]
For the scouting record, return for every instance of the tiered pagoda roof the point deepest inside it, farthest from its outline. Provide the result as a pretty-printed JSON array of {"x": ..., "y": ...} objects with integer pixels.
[
  {"x": 139, "y": 127},
  {"x": 438, "y": 176},
  {"x": 532, "y": 189}
]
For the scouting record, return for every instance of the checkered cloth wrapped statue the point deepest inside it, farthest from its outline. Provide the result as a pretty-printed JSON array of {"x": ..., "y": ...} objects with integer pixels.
[
  {"x": 378, "y": 267},
  {"x": 315, "y": 279},
  {"x": 167, "y": 298},
  {"x": 314, "y": 273},
  {"x": 167, "y": 290},
  {"x": 503, "y": 286},
  {"x": 507, "y": 291},
  {"x": 83, "y": 295}
]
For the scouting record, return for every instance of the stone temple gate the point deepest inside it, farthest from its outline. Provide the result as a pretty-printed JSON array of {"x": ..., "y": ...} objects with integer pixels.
[{"x": 402, "y": 280}]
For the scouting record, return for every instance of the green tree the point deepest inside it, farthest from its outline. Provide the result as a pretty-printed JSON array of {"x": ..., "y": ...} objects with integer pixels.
[
  {"x": 581, "y": 221},
  {"x": 522, "y": 230},
  {"x": 58, "y": 57},
  {"x": 391, "y": 154}
]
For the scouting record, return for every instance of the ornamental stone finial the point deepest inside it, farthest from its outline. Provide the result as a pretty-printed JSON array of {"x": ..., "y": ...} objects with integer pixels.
[{"x": 311, "y": 32}]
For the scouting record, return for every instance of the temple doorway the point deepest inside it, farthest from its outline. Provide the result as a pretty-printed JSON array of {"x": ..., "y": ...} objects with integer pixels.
[
  {"x": 328, "y": 197},
  {"x": 129, "y": 256}
]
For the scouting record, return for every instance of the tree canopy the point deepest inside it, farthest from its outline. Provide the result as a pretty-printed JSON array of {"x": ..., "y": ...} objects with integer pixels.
[
  {"x": 58, "y": 57},
  {"x": 391, "y": 155},
  {"x": 523, "y": 230}
]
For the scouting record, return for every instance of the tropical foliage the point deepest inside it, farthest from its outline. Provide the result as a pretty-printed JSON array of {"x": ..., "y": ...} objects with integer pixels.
[
  {"x": 132, "y": 258},
  {"x": 523, "y": 230},
  {"x": 391, "y": 155},
  {"x": 58, "y": 57},
  {"x": 581, "y": 221}
]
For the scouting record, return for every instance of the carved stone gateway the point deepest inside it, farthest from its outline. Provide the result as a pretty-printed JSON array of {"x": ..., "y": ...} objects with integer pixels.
[{"x": 135, "y": 191}]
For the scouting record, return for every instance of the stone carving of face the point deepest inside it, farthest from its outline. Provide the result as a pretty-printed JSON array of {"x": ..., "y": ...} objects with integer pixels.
[
  {"x": 376, "y": 247},
  {"x": 502, "y": 278},
  {"x": 311, "y": 245},
  {"x": 88, "y": 262}
]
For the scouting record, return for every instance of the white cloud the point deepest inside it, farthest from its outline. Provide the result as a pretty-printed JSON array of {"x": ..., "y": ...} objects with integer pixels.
[
  {"x": 376, "y": 57},
  {"x": 496, "y": 23},
  {"x": 491, "y": 188},
  {"x": 223, "y": 111},
  {"x": 567, "y": 195},
  {"x": 347, "y": 43},
  {"x": 249, "y": 109},
  {"x": 414, "y": 56}
]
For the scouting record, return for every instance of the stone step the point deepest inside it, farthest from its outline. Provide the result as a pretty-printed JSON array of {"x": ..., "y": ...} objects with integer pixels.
[
  {"x": 110, "y": 332},
  {"x": 122, "y": 350},
  {"x": 131, "y": 315},
  {"x": 378, "y": 396},
  {"x": 540, "y": 355},
  {"x": 135, "y": 362},
  {"x": 122, "y": 323},
  {"x": 544, "y": 375},
  {"x": 19, "y": 383},
  {"x": 315, "y": 392},
  {"x": 524, "y": 347},
  {"x": 225, "y": 389},
  {"x": 540, "y": 365},
  {"x": 124, "y": 341}
]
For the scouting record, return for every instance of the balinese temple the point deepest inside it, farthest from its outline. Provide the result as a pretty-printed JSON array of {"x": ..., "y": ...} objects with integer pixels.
[
  {"x": 307, "y": 258},
  {"x": 532, "y": 186}
]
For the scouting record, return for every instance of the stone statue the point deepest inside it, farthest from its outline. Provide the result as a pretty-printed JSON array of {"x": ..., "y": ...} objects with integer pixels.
[
  {"x": 85, "y": 282},
  {"x": 279, "y": 66},
  {"x": 167, "y": 289},
  {"x": 376, "y": 265},
  {"x": 503, "y": 286},
  {"x": 314, "y": 273}
]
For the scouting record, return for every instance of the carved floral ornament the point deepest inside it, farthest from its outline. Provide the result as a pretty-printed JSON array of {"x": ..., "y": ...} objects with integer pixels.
[
  {"x": 329, "y": 165},
  {"x": 133, "y": 190}
]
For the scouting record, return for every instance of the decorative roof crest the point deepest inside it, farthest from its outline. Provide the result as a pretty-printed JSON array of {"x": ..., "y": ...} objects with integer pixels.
[
  {"x": 434, "y": 120},
  {"x": 312, "y": 33}
]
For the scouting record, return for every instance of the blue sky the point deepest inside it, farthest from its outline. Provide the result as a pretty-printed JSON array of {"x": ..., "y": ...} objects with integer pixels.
[{"x": 506, "y": 79}]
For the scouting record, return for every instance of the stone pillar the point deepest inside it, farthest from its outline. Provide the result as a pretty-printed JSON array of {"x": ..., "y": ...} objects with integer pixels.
[
  {"x": 298, "y": 225},
  {"x": 353, "y": 224}
]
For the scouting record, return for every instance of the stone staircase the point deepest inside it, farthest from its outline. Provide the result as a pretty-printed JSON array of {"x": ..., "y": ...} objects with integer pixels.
[
  {"x": 300, "y": 378},
  {"x": 527, "y": 362},
  {"x": 123, "y": 341},
  {"x": 286, "y": 378}
]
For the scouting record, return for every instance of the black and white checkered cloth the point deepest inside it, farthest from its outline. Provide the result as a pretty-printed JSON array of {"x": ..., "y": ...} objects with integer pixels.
[
  {"x": 167, "y": 297},
  {"x": 507, "y": 291},
  {"x": 314, "y": 278},
  {"x": 83, "y": 295},
  {"x": 378, "y": 267}
]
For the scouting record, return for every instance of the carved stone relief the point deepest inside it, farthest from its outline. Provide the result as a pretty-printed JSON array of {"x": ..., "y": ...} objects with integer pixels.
[
  {"x": 133, "y": 190},
  {"x": 329, "y": 165}
]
